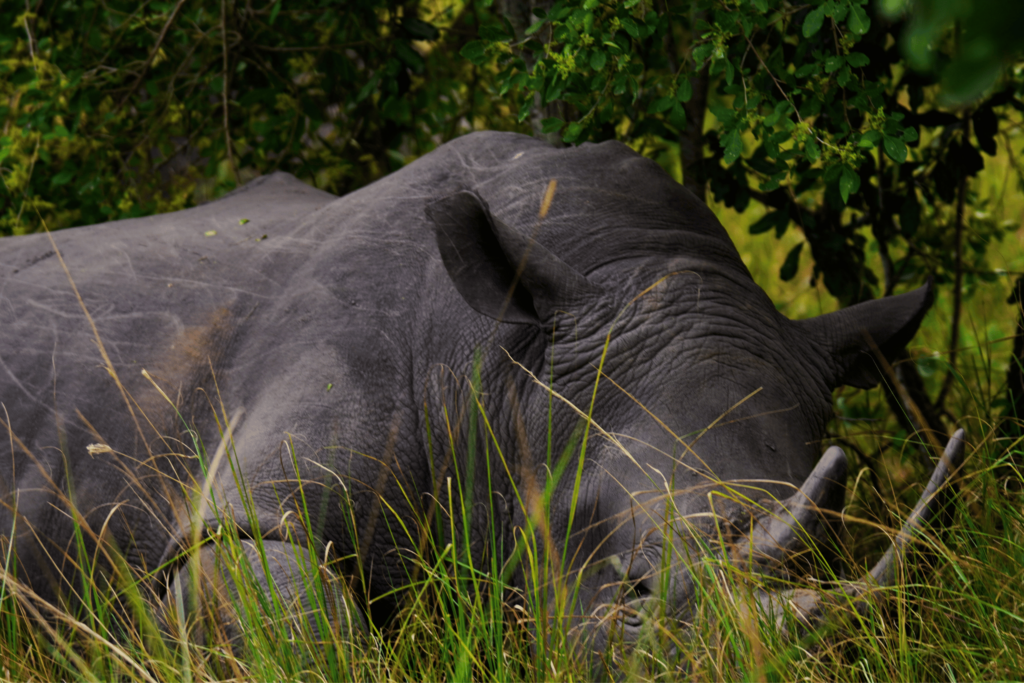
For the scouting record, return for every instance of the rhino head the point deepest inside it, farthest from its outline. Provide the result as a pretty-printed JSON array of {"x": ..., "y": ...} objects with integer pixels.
[{"x": 705, "y": 407}]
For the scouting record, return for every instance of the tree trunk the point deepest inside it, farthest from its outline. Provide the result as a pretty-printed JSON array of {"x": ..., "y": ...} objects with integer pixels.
[
  {"x": 1015, "y": 375},
  {"x": 912, "y": 407},
  {"x": 691, "y": 142},
  {"x": 1012, "y": 424},
  {"x": 520, "y": 14}
]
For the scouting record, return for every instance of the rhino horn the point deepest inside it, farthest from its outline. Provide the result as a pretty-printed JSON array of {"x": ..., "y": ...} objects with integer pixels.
[
  {"x": 777, "y": 535},
  {"x": 884, "y": 572},
  {"x": 807, "y": 605}
]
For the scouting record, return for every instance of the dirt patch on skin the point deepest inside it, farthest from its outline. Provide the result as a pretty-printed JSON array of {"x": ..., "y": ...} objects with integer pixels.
[
  {"x": 187, "y": 370},
  {"x": 184, "y": 404}
]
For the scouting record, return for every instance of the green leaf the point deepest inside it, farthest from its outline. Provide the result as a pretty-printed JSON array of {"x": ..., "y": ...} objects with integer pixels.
[
  {"x": 551, "y": 125},
  {"x": 685, "y": 91},
  {"x": 525, "y": 109},
  {"x": 857, "y": 60},
  {"x": 789, "y": 266},
  {"x": 909, "y": 134},
  {"x": 553, "y": 92},
  {"x": 869, "y": 139},
  {"x": 733, "y": 146},
  {"x": 408, "y": 55},
  {"x": 910, "y": 215},
  {"x": 396, "y": 109},
  {"x": 619, "y": 86},
  {"x": 806, "y": 70},
  {"x": 858, "y": 21},
  {"x": 661, "y": 104},
  {"x": 274, "y": 12},
  {"x": 422, "y": 30},
  {"x": 701, "y": 54},
  {"x": 775, "y": 219},
  {"x": 895, "y": 148},
  {"x": 773, "y": 183},
  {"x": 631, "y": 28},
  {"x": 370, "y": 86},
  {"x": 844, "y": 77},
  {"x": 677, "y": 116},
  {"x": 813, "y": 21},
  {"x": 724, "y": 114},
  {"x": 573, "y": 131},
  {"x": 811, "y": 149},
  {"x": 63, "y": 177},
  {"x": 761, "y": 5},
  {"x": 598, "y": 60},
  {"x": 849, "y": 183},
  {"x": 535, "y": 27},
  {"x": 475, "y": 51},
  {"x": 834, "y": 63},
  {"x": 493, "y": 33},
  {"x": 591, "y": 5},
  {"x": 780, "y": 110}
]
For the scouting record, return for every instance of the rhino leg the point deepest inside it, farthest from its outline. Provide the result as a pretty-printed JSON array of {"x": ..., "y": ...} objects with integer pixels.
[{"x": 245, "y": 596}]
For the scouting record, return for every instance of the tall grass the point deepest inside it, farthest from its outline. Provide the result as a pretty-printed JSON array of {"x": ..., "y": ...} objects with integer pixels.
[{"x": 956, "y": 613}]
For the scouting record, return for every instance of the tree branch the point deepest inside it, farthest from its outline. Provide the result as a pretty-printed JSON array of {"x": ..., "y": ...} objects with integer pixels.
[
  {"x": 152, "y": 54},
  {"x": 226, "y": 87},
  {"x": 958, "y": 276}
]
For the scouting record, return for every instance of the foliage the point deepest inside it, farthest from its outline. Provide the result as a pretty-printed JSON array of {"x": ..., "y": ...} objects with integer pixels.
[
  {"x": 818, "y": 119},
  {"x": 988, "y": 33},
  {"x": 118, "y": 109}
]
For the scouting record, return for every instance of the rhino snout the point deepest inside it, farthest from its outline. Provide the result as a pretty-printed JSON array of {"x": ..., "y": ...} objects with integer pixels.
[{"x": 653, "y": 584}]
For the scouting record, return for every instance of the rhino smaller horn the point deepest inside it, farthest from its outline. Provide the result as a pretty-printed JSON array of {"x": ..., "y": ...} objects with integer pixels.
[
  {"x": 884, "y": 573},
  {"x": 807, "y": 604},
  {"x": 782, "y": 533}
]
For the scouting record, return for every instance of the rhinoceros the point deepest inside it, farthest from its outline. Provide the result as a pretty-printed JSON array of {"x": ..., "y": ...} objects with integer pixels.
[{"x": 538, "y": 340}]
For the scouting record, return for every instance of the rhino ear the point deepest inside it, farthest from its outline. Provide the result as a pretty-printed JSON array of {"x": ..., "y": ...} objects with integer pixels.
[
  {"x": 500, "y": 273},
  {"x": 850, "y": 336}
]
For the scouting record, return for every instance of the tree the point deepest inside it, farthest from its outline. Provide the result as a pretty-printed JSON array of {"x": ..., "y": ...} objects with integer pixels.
[{"x": 117, "y": 109}]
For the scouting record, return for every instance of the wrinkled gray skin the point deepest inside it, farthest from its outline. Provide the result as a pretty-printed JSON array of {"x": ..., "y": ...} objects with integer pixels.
[{"x": 356, "y": 319}]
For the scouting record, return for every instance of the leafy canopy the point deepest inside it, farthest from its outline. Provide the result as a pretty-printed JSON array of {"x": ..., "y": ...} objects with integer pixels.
[
  {"x": 116, "y": 109},
  {"x": 817, "y": 117}
]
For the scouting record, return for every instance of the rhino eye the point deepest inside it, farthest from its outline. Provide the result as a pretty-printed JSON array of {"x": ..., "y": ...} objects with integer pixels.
[{"x": 637, "y": 586}]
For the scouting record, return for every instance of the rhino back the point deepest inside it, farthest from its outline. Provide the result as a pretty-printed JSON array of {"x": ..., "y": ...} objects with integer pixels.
[{"x": 164, "y": 296}]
